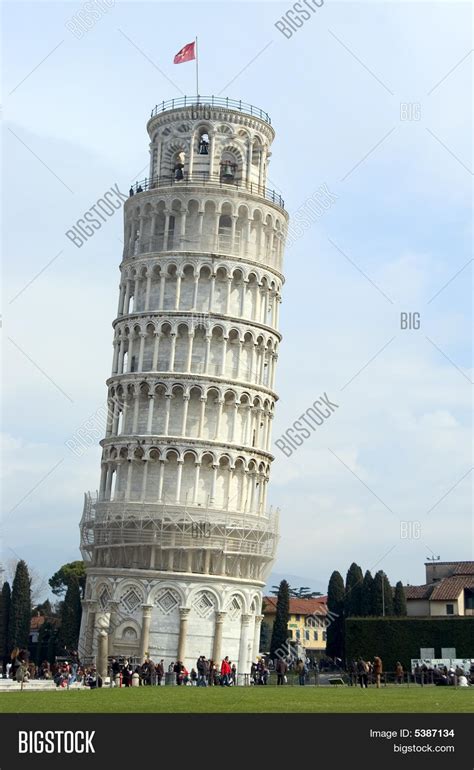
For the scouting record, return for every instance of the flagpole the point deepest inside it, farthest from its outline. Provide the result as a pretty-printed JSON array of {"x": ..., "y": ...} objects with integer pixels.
[{"x": 197, "y": 69}]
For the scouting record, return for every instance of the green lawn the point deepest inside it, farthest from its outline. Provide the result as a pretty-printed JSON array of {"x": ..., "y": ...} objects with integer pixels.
[{"x": 242, "y": 699}]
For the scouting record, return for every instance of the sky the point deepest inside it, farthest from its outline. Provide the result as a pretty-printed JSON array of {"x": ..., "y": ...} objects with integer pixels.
[{"x": 370, "y": 101}]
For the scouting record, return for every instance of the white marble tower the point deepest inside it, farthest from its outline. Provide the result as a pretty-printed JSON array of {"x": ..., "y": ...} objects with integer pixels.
[{"x": 179, "y": 540}]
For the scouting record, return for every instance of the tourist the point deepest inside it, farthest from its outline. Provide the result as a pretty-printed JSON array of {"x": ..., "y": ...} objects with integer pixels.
[
  {"x": 193, "y": 677},
  {"x": 363, "y": 672},
  {"x": 225, "y": 672},
  {"x": 399, "y": 673},
  {"x": 130, "y": 192},
  {"x": 353, "y": 673},
  {"x": 301, "y": 671},
  {"x": 160, "y": 672},
  {"x": 202, "y": 671},
  {"x": 178, "y": 671},
  {"x": 281, "y": 667},
  {"x": 377, "y": 669},
  {"x": 233, "y": 674}
]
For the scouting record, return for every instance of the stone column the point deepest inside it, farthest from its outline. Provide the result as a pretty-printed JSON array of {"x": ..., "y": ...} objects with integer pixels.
[
  {"x": 217, "y": 644},
  {"x": 228, "y": 293},
  {"x": 152, "y": 243},
  {"x": 185, "y": 414},
  {"x": 207, "y": 354},
  {"x": 189, "y": 356},
  {"x": 173, "y": 351},
  {"x": 211, "y": 292},
  {"x": 145, "y": 635},
  {"x": 161, "y": 480},
  {"x": 115, "y": 359},
  {"x": 168, "y": 398},
  {"x": 220, "y": 404},
  {"x": 154, "y": 365},
  {"x": 178, "y": 480},
  {"x": 113, "y": 622},
  {"x": 151, "y": 403},
  {"x": 129, "y": 479},
  {"x": 162, "y": 291},
  {"x": 256, "y": 636},
  {"x": 144, "y": 480},
  {"x": 195, "y": 292},
  {"x": 103, "y": 481},
  {"x": 243, "y": 666},
  {"x": 197, "y": 467},
  {"x": 178, "y": 291},
  {"x": 141, "y": 351},
  {"x": 202, "y": 413},
  {"x": 183, "y": 628},
  {"x": 126, "y": 299},
  {"x": 224, "y": 356},
  {"x": 89, "y": 636},
  {"x": 136, "y": 407},
  {"x": 213, "y": 484},
  {"x": 108, "y": 486},
  {"x": 242, "y": 296},
  {"x": 102, "y": 653},
  {"x": 167, "y": 229}
]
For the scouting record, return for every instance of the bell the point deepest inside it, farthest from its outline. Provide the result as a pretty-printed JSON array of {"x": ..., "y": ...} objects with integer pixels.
[{"x": 227, "y": 171}]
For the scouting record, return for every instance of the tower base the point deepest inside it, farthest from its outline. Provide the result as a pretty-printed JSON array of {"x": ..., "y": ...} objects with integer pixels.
[{"x": 171, "y": 616}]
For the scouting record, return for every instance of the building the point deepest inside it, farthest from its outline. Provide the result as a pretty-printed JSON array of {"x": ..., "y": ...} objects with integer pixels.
[
  {"x": 307, "y": 622},
  {"x": 449, "y": 590},
  {"x": 179, "y": 541}
]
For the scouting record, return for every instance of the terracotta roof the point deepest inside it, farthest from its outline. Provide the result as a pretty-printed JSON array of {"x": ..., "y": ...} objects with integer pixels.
[
  {"x": 419, "y": 592},
  {"x": 455, "y": 564},
  {"x": 465, "y": 568},
  {"x": 36, "y": 622},
  {"x": 298, "y": 606},
  {"x": 451, "y": 587}
]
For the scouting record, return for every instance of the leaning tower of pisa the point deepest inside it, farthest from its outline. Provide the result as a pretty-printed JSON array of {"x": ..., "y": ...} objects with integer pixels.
[{"x": 179, "y": 539}]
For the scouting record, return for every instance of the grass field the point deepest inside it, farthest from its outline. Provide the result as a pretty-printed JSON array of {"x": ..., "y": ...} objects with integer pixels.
[{"x": 245, "y": 699}]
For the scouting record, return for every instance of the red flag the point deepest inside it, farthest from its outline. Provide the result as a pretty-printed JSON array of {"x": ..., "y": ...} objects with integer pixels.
[{"x": 187, "y": 53}]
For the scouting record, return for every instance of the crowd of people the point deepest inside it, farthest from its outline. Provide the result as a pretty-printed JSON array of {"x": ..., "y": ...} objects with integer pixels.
[
  {"x": 129, "y": 672},
  {"x": 206, "y": 673}
]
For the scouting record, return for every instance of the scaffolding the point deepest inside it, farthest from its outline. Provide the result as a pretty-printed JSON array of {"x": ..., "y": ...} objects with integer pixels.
[{"x": 178, "y": 538}]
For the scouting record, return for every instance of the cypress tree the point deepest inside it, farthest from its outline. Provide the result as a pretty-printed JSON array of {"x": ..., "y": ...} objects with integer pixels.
[
  {"x": 265, "y": 632},
  {"x": 20, "y": 612},
  {"x": 382, "y": 595},
  {"x": 5, "y": 607},
  {"x": 71, "y": 612},
  {"x": 335, "y": 628},
  {"x": 353, "y": 597},
  {"x": 280, "y": 627},
  {"x": 388, "y": 595},
  {"x": 366, "y": 598},
  {"x": 399, "y": 600},
  {"x": 377, "y": 595}
]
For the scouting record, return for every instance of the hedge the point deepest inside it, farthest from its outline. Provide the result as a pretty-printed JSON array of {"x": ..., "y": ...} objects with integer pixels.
[{"x": 400, "y": 638}]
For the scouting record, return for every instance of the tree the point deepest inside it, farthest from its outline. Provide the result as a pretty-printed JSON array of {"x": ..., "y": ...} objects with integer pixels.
[
  {"x": 382, "y": 595},
  {"x": 5, "y": 608},
  {"x": 280, "y": 626},
  {"x": 20, "y": 612},
  {"x": 353, "y": 597},
  {"x": 399, "y": 600},
  {"x": 38, "y": 583},
  {"x": 335, "y": 629},
  {"x": 73, "y": 572},
  {"x": 366, "y": 602},
  {"x": 388, "y": 595},
  {"x": 44, "y": 609},
  {"x": 265, "y": 633},
  {"x": 71, "y": 612}
]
